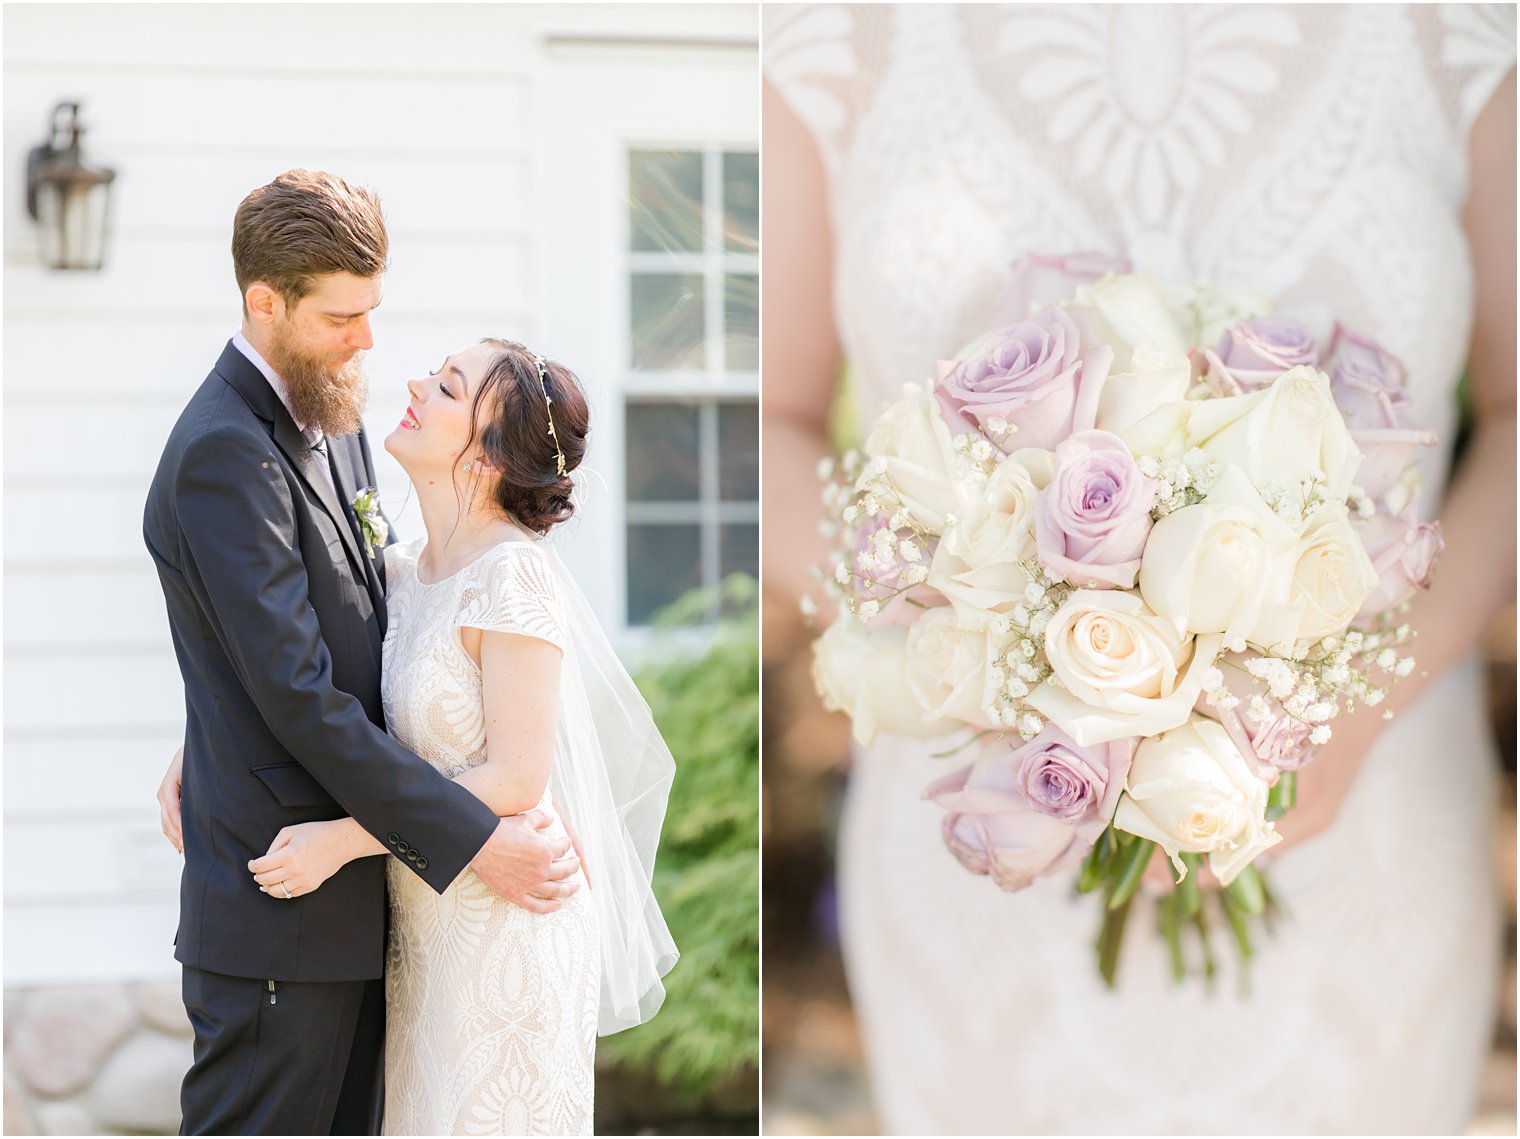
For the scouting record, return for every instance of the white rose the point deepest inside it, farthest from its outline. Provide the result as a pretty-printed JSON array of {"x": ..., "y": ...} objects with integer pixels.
[
  {"x": 949, "y": 670},
  {"x": 1214, "y": 309},
  {"x": 976, "y": 564},
  {"x": 1331, "y": 577},
  {"x": 867, "y": 677},
  {"x": 914, "y": 445},
  {"x": 1192, "y": 790},
  {"x": 1123, "y": 670},
  {"x": 1127, "y": 312},
  {"x": 1210, "y": 568},
  {"x": 1280, "y": 434},
  {"x": 1155, "y": 377}
]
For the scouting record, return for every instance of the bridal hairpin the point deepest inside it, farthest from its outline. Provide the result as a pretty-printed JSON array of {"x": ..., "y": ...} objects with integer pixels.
[{"x": 543, "y": 380}]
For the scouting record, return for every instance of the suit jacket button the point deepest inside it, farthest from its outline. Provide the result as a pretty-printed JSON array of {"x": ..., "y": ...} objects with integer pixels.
[
  {"x": 393, "y": 838},
  {"x": 402, "y": 848},
  {"x": 422, "y": 864},
  {"x": 411, "y": 855}
]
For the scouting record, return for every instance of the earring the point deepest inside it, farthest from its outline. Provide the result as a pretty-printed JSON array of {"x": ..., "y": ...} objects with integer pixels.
[{"x": 470, "y": 466}]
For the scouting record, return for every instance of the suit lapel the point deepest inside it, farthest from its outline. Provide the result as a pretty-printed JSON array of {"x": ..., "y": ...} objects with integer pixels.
[{"x": 346, "y": 467}]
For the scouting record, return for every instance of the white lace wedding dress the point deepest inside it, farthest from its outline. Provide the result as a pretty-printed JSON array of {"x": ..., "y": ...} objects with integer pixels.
[
  {"x": 491, "y": 1010},
  {"x": 1316, "y": 154}
]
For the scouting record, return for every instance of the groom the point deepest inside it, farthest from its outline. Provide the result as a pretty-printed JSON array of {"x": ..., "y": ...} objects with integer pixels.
[{"x": 277, "y": 610}]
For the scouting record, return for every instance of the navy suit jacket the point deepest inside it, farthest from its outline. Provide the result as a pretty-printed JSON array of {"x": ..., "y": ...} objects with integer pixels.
[{"x": 277, "y": 617}]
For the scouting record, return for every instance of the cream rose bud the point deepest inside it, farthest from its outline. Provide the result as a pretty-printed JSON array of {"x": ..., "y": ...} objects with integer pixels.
[
  {"x": 1332, "y": 576},
  {"x": 1329, "y": 579},
  {"x": 977, "y": 561},
  {"x": 1128, "y": 312},
  {"x": 914, "y": 445},
  {"x": 869, "y": 678},
  {"x": 1210, "y": 568},
  {"x": 1123, "y": 670},
  {"x": 1191, "y": 790},
  {"x": 950, "y": 658},
  {"x": 1279, "y": 434},
  {"x": 1154, "y": 377}
]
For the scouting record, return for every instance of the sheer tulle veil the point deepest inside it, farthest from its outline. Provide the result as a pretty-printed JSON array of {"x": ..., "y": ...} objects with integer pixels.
[{"x": 612, "y": 777}]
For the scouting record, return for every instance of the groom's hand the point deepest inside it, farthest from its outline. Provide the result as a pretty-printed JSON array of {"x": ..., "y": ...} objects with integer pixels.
[
  {"x": 168, "y": 801},
  {"x": 527, "y": 867}
]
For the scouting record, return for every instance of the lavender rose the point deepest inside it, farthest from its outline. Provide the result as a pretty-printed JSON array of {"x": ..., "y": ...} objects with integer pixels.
[
  {"x": 1368, "y": 385},
  {"x": 1253, "y": 353},
  {"x": 1261, "y": 728},
  {"x": 1040, "y": 279},
  {"x": 1018, "y": 814},
  {"x": 1091, "y": 522},
  {"x": 1367, "y": 382},
  {"x": 1037, "y": 375},
  {"x": 1403, "y": 550},
  {"x": 1060, "y": 779}
]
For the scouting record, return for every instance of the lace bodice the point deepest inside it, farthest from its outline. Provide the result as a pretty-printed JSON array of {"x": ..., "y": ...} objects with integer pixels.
[
  {"x": 1314, "y": 153},
  {"x": 430, "y": 685},
  {"x": 491, "y": 1010}
]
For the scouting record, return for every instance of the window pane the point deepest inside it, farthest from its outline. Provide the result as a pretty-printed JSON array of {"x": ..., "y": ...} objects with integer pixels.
[
  {"x": 741, "y": 322},
  {"x": 661, "y": 444},
  {"x": 663, "y": 563},
  {"x": 741, "y": 202},
  {"x": 664, "y": 200},
  {"x": 665, "y": 320},
  {"x": 739, "y": 549},
  {"x": 738, "y": 452}
]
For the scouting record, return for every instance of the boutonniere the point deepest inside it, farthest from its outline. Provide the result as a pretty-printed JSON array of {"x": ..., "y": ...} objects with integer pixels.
[{"x": 371, "y": 524}]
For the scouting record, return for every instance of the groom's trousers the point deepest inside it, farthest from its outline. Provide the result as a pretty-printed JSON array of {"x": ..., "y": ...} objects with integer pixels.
[{"x": 301, "y": 1058}]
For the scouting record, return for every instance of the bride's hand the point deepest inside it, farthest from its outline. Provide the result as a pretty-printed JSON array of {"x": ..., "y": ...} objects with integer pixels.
[
  {"x": 168, "y": 801},
  {"x": 300, "y": 859}
]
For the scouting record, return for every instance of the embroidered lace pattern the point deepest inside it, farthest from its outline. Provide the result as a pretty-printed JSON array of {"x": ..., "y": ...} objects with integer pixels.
[{"x": 491, "y": 1010}]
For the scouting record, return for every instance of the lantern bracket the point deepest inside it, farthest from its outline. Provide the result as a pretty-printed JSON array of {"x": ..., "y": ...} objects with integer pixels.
[{"x": 65, "y": 121}]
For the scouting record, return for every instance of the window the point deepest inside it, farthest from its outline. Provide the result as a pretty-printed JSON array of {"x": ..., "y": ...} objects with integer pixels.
[{"x": 691, "y": 419}]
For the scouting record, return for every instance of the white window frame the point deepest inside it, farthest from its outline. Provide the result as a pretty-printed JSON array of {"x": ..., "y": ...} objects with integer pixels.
[{"x": 710, "y": 385}]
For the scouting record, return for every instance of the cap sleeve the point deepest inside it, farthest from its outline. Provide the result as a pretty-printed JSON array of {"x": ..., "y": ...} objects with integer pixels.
[
  {"x": 824, "y": 60},
  {"x": 513, "y": 590}
]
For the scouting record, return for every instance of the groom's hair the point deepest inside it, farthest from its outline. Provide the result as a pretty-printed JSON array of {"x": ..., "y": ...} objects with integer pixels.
[{"x": 306, "y": 224}]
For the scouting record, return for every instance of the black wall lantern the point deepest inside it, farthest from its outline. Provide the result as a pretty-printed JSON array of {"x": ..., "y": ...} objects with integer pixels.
[{"x": 67, "y": 198}]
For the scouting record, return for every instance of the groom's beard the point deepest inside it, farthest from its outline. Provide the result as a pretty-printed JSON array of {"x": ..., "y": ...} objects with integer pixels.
[{"x": 321, "y": 395}]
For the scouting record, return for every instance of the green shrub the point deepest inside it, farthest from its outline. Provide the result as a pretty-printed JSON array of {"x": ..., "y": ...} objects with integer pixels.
[{"x": 707, "y": 872}]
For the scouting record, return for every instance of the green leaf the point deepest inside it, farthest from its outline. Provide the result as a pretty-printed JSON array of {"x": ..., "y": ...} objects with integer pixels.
[
  {"x": 1110, "y": 939},
  {"x": 1282, "y": 796},
  {"x": 1189, "y": 892},
  {"x": 1130, "y": 869},
  {"x": 1247, "y": 892},
  {"x": 1167, "y": 913},
  {"x": 1098, "y": 863}
]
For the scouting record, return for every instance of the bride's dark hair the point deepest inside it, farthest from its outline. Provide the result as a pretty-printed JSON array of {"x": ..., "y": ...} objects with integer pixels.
[{"x": 516, "y": 439}]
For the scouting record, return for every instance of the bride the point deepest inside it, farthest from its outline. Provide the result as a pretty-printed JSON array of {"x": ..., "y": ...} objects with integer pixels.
[
  {"x": 495, "y": 671},
  {"x": 1348, "y": 160}
]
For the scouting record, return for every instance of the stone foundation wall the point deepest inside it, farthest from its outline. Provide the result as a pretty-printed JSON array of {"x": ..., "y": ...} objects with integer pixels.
[
  {"x": 108, "y": 1060},
  {"x": 96, "y": 1059}
]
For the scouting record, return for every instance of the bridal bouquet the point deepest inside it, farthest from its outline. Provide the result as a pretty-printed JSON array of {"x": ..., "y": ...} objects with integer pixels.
[{"x": 1133, "y": 553}]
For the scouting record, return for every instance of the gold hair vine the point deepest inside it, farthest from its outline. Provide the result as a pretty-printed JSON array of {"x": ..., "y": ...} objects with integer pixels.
[{"x": 543, "y": 381}]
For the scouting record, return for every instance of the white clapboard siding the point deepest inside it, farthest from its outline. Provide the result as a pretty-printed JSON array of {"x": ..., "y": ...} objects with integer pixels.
[
  {"x": 446, "y": 111},
  {"x": 97, "y": 938},
  {"x": 97, "y": 608},
  {"x": 190, "y": 272},
  {"x": 102, "y": 774}
]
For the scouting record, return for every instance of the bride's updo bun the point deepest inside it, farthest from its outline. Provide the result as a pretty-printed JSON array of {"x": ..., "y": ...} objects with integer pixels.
[{"x": 516, "y": 439}]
